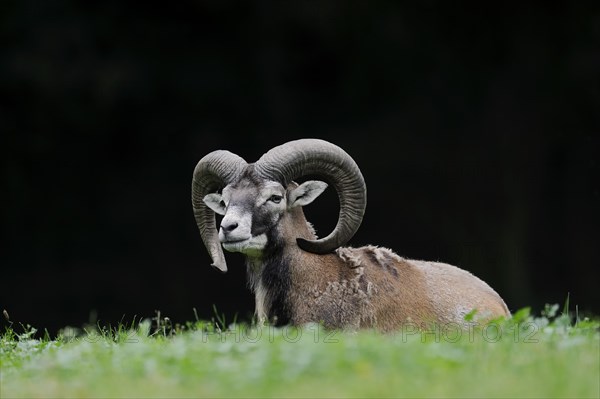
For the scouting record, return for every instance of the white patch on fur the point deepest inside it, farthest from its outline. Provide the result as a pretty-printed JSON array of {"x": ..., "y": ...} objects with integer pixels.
[
  {"x": 243, "y": 218},
  {"x": 260, "y": 294},
  {"x": 241, "y": 239},
  {"x": 251, "y": 247}
]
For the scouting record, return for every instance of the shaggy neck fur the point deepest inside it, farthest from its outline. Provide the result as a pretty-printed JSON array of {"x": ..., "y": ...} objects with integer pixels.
[
  {"x": 270, "y": 281},
  {"x": 269, "y": 276}
]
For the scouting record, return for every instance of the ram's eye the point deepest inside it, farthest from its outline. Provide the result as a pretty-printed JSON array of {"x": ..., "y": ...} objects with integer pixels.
[
  {"x": 222, "y": 203},
  {"x": 275, "y": 198}
]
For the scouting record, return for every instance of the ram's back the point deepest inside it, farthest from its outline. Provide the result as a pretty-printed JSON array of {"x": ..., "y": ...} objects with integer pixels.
[
  {"x": 403, "y": 291},
  {"x": 455, "y": 292}
]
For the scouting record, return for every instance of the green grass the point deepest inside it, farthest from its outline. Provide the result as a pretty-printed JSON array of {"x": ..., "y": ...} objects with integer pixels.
[{"x": 534, "y": 357}]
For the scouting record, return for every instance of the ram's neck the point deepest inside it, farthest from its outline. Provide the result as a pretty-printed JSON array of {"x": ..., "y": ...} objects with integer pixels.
[
  {"x": 270, "y": 281},
  {"x": 270, "y": 276}
]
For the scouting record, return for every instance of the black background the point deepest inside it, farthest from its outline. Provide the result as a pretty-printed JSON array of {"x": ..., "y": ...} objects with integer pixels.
[{"x": 476, "y": 130}]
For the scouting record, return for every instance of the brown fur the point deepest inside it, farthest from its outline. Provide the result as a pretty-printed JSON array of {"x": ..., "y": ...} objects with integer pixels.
[{"x": 371, "y": 287}]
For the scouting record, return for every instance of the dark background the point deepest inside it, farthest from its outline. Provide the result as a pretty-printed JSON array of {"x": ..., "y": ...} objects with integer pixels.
[{"x": 476, "y": 130}]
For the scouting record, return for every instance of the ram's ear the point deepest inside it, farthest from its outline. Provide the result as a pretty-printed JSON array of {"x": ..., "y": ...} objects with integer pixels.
[
  {"x": 306, "y": 193},
  {"x": 215, "y": 202}
]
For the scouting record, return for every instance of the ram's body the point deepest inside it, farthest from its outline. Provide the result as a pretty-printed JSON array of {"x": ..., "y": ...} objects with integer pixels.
[
  {"x": 298, "y": 278},
  {"x": 367, "y": 287}
]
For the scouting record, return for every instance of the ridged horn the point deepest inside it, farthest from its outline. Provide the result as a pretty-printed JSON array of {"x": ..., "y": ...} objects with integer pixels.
[
  {"x": 213, "y": 172},
  {"x": 298, "y": 158}
]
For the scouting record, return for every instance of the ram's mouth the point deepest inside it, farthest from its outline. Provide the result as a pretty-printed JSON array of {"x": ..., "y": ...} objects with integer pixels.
[
  {"x": 248, "y": 246},
  {"x": 235, "y": 245}
]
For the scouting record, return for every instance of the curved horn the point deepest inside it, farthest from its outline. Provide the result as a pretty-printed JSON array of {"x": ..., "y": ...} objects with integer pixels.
[
  {"x": 297, "y": 158},
  {"x": 213, "y": 172}
]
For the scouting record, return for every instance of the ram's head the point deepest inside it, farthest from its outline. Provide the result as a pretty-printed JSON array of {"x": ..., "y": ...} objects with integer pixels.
[{"x": 254, "y": 197}]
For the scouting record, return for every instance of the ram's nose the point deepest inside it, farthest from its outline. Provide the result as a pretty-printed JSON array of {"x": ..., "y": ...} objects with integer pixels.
[
  {"x": 231, "y": 230},
  {"x": 235, "y": 226},
  {"x": 228, "y": 227}
]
